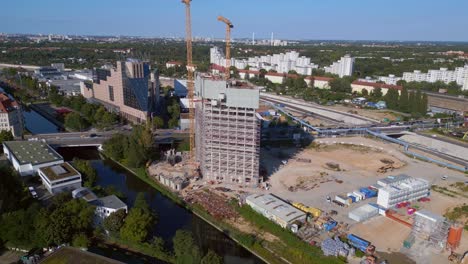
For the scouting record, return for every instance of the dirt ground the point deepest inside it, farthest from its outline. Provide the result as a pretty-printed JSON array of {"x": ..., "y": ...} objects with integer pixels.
[
  {"x": 378, "y": 115},
  {"x": 383, "y": 232}
]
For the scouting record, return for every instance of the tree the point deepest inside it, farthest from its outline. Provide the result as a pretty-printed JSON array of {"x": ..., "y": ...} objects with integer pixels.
[
  {"x": 211, "y": 258},
  {"x": 424, "y": 104},
  {"x": 413, "y": 102},
  {"x": 157, "y": 122},
  {"x": 185, "y": 250},
  {"x": 377, "y": 93},
  {"x": 81, "y": 241},
  {"x": 114, "y": 222},
  {"x": 5, "y": 135},
  {"x": 17, "y": 228},
  {"x": 75, "y": 122},
  {"x": 137, "y": 225},
  {"x": 391, "y": 98},
  {"x": 87, "y": 171},
  {"x": 340, "y": 85},
  {"x": 115, "y": 146},
  {"x": 404, "y": 103},
  {"x": 364, "y": 92}
]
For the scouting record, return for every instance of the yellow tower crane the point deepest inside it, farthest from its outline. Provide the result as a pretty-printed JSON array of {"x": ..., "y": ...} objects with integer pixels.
[
  {"x": 190, "y": 76},
  {"x": 229, "y": 25}
]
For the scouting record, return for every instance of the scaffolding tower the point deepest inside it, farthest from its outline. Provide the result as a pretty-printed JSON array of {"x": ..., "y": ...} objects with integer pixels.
[{"x": 432, "y": 228}]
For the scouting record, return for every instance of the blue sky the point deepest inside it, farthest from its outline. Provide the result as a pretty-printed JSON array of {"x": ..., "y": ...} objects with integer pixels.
[{"x": 288, "y": 19}]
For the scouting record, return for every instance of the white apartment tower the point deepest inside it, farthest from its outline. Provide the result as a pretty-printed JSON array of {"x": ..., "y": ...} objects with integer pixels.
[
  {"x": 343, "y": 67},
  {"x": 227, "y": 132}
]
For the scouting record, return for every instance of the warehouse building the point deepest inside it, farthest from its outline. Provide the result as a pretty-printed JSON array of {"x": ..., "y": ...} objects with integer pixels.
[
  {"x": 409, "y": 189},
  {"x": 27, "y": 157},
  {"x": 60, "y": 178},
  {"x": 275, "y": 209}
]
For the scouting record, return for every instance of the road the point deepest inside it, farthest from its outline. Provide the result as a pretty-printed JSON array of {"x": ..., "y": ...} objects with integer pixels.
[
  {"x": 318, "y": 110},
  {"x": 98, "y": 138}
]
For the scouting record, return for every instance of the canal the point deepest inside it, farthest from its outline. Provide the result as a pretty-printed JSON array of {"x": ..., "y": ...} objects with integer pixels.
[
  {"x": 171, "y": 217},
  {"x": 37, "y": 124}
]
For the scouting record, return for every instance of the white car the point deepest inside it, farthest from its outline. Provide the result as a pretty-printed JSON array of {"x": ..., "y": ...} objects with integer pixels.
[
  {"x": 444, "y": 177},
  {"x": 34, "y": 194},
  {"x": 31, "y": 189}
]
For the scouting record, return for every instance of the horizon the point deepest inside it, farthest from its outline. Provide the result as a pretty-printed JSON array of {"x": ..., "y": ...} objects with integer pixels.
[{"x": 334, "y": 20}]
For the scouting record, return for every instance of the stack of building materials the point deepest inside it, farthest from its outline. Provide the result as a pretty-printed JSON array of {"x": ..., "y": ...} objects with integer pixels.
[
  {"x": 334, "y": 247},
  {"x": 363, "y": 213},
  {"x": 358, "y": 242},
  {"x": 431, "y": 227}
]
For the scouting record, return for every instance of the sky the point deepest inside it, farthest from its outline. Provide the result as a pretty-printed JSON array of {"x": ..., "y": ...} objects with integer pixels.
[{"x": 423, "y": 20}]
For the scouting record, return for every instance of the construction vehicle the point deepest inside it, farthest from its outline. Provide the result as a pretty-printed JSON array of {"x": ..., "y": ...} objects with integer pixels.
[
  {"x": 229, "y": 26},
  {"x": 190, "y": 76}
]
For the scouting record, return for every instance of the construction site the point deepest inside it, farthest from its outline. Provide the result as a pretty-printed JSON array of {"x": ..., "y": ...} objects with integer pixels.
[{"x": 355, "y": 197}]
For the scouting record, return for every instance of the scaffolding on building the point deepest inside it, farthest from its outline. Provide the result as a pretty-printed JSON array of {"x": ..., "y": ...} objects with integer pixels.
[{"x": 432, "y": 228}]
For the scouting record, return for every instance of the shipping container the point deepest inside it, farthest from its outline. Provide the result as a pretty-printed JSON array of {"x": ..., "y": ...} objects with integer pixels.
[{"x": 358, "y": 242}]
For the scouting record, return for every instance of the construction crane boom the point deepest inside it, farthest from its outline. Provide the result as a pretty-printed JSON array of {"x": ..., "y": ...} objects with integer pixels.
[
  {"x": 229, "y": 25},
  {"x": 190, "y": 76}
]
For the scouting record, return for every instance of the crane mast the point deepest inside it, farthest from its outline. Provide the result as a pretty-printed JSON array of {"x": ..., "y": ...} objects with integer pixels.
[
  {"x": 229, "y": 26},
  {"x": 190, "y": 76}
]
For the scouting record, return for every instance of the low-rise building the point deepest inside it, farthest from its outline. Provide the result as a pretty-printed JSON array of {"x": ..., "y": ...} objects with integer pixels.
[
  {"x": 171, "y": 64},
  {"x": 11, "y": 118},
  {"x": 60, "y": 178},
  {"x": 106, "y": 206},
  {"x": 406, "y": 190},
  {"x": 27, "y": 157},
  {"x": 359, "y": 86},
  {"x": 275, "y": 209}
]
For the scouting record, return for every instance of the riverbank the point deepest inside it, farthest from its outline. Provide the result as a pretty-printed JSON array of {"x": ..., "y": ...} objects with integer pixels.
[{"x": 287, "y": 248}]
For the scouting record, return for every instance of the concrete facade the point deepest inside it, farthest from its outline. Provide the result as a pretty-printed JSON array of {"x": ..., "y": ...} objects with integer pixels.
[{"x": 60, "y": 178}]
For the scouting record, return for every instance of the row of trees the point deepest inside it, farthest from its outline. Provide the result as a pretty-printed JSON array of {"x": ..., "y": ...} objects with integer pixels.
[{"x": 415, "y": 103}]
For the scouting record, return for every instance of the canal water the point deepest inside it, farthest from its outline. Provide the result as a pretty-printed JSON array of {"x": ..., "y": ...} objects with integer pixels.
[
  {"x": 171, "y": 217},
  {"x": 37, "y": 124}
]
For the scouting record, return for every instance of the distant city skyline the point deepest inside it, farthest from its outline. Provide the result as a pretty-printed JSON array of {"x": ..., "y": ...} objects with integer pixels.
[{"x": 397, "y": 20}]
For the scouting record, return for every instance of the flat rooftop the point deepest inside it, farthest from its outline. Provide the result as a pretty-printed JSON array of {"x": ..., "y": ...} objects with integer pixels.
[
  {"x": 59, "y": 172},
  {"x": 276, "y": 207},
  {"x": 34, "y": 152},
  {"x": 110, "y": 201}
]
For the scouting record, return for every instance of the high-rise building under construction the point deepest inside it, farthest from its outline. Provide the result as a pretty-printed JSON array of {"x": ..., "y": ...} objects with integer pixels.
[{"x": 227, "y": 131}]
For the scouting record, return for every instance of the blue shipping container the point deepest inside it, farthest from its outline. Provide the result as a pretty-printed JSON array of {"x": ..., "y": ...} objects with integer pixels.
[
  {"x": 358, "y": 242},
  {"x": 330, "y": 225},
  {"x": 353, "y": 198}
]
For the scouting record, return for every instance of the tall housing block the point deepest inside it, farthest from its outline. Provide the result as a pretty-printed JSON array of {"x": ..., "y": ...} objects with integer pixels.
[{"x": 227, "y": 132}]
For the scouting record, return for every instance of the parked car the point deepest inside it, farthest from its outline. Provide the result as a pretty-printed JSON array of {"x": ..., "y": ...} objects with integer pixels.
[
  {"x": 34, "y": 194},
  {"x": 444, "y": 177}
]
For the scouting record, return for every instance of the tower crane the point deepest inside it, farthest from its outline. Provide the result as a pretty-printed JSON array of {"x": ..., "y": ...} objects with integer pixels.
[
  {"x": 229, "y": 25},
  {"x": 190, "y": 76}
]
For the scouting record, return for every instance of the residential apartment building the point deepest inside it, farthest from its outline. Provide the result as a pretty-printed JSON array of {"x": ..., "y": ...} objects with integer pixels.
[
  {"x": 228, "y": 131},
  {"x": 129, "y": 89},
  {"x": 11, "y": 118},
  {"x": 343, "y": 67},
  {"x": 282, "y": 63},
  {"x": 459, "y": 75}
]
